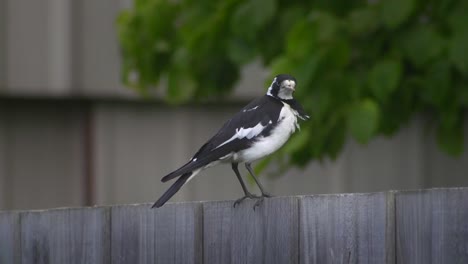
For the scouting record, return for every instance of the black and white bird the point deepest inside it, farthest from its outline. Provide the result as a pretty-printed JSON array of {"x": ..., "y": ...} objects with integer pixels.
[{"x": 259, "y": 129}]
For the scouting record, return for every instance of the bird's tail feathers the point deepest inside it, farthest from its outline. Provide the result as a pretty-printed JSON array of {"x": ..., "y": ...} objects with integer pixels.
[
  {"x": 172, "y": 190},
  {"x": 201, "y": 161},
  {"x": 188, "y": 167},
  {"x": 172, "y": 175}
]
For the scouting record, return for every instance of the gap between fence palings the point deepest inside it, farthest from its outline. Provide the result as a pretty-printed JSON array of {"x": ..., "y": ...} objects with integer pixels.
[{"x": 388, "y": 227}]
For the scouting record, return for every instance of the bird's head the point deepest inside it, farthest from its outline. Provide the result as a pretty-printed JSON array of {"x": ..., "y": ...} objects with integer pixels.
[{"x": 282, "y": 87}]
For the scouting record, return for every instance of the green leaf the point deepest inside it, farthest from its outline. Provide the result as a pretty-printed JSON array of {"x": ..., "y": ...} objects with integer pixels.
[
  {"x": 396, "y": 12},
  {"x": 327, "y": 25},
  {"x": 306, "y": 71},
  {"x": 251, "y": 15},
  {"x": 463, "y": 95},
  {"x": 267, "y": 49},
  {"x": 363, "y": 21},
  {"x": 438, "y": 85},
  {"x": 180, "y": 86},
  {"x": 363, "y": 67},
  {"x": 337, "y": 54},
  {"x": 280, "y": 65},
  {"x": 308, "y": 34},
  {"x": 336, "y": 139},
  {"x": 450, "y": 134},
  {"x": 263, "y": 164},
  {"x": 240, "y": 51},
  {"x": 384, "y": 78},
  {"x": 322, "y": 102},
  {"x": 422, "y": 44},
  {"x": 458, "y": 51},
  {"x": 363, "y": 120},
  {"x": 298, "y": 141},
  {"x": 301, "y": 40},
  {"x": 458, "y": 19},
  {"x": 400, "y": 107}
]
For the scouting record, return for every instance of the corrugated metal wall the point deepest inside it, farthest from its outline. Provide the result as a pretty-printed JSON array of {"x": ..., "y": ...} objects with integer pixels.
[{"x": 62, "y": 55}]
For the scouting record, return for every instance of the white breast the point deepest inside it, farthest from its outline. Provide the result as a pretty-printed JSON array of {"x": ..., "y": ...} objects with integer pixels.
[{"x": 287, "y": 123}]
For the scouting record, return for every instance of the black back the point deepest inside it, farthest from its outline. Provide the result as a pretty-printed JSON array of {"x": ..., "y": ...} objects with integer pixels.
[
  {"x": 267, "y": 113},
  {"x": 264, "y": 110}
]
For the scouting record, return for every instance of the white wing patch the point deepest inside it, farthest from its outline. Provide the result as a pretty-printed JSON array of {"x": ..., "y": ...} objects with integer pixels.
[
  {"x": 248, "y": 133},
  {"x": 251, "y": 109}
]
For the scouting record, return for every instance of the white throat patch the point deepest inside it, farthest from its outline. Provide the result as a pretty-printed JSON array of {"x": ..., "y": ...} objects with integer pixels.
[{"x": 285, "y": 93}]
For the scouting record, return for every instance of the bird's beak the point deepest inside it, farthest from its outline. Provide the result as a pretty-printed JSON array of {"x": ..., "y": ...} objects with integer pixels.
[{"x": 291, "y": 87}]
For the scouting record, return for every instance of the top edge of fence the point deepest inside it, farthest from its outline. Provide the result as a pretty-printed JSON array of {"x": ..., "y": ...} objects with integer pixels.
[{"x": 207, "y": 202}]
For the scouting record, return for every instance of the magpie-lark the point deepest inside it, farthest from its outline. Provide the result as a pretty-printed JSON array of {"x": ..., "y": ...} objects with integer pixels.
[{"x": 259, "y": 129}]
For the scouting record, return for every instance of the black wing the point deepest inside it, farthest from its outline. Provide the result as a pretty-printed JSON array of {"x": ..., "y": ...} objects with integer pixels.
[{"x": 255, "y": 120}]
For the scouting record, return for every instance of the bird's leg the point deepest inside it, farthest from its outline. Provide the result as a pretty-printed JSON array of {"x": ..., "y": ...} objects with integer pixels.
[
  {"x": 264, "y": 193},
  {"x": 246, "y": 192},
  {"x": 236, "y": 171}
]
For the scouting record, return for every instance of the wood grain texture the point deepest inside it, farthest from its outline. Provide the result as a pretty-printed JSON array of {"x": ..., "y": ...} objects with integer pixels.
[
  {"x": 170, "y": 234},
  {"x": 426, "y": 226},
  {"x": 9, "y": 237},
  {"x": 241, "y": 235},
  {"x": 65, "y": 236},
  {"x": 347, "y": 228},
  {"x": 432, "y": 226}
]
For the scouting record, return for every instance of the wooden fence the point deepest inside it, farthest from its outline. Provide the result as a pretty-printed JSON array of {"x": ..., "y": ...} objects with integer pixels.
[{"x": 424, "y": 226}]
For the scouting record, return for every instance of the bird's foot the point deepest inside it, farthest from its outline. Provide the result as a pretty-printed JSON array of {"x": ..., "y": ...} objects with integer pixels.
[
  {"x": 247, "y": 196},
  {"x": 261, "y": 198},
  {"x": 259, "y": 201}
]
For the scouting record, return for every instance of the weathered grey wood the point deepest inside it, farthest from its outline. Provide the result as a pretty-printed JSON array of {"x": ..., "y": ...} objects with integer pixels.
[
  {"x": 427, "y": 226},
  {"x": 432, "y": 226},
  {"x": 241, "y": 235},
  {"x": 347, "y": 228},
  {"x": 170, "y": 234},
  {"x": 65, "y": 236},
  {"x": 9, "y": 237}
]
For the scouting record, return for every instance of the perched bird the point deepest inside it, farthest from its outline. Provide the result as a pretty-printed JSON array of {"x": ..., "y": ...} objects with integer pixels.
[{"x": 259, "y": 129}]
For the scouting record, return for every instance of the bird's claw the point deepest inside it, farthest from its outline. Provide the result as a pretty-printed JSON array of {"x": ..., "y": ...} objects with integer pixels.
[
  {"x": 238, "y": 201},
  {"x": 261, "y": 198},
  {"x": 258, "y": 202},
  {"x": 251, "y": 196},
  {"x": 247, "y": 196}
]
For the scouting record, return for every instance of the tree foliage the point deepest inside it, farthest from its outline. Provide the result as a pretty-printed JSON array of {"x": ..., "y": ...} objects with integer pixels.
[{"x": 364, "y": 67}]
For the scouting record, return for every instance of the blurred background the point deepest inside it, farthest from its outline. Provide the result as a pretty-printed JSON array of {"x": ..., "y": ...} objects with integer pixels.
[{"x": 72, "y": 134}]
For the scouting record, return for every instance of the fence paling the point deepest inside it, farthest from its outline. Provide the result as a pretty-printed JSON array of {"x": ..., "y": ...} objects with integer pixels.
[{"x": 426, "y": 226}]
